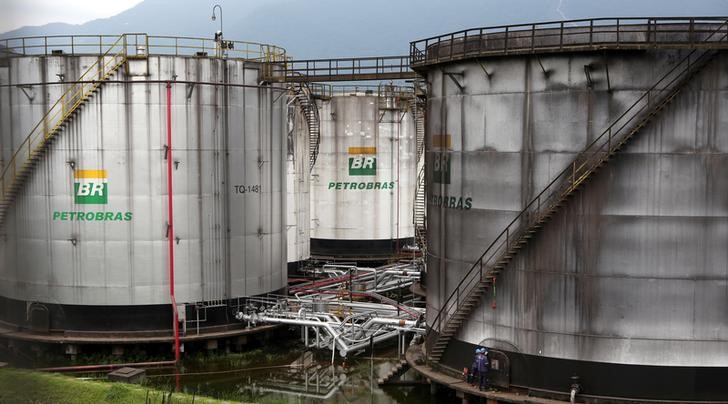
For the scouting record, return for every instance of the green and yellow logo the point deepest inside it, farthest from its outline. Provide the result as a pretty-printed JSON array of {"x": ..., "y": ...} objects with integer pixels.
[
  {"x": 442, "y": 145},
  {"x": 90, "y": 187},
  {"x": 362, "y": 161}
]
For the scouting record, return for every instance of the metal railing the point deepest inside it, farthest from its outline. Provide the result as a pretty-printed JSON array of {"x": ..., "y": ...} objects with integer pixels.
[
  {"x": 556, "y": 36},
  {"x": 569, "y": 179},
  {"x": 139, "y": 43},
  {"x": 349, "y": 69},
  {"x": 76, "y": 94},
  {"x": 381, "y": 90}
]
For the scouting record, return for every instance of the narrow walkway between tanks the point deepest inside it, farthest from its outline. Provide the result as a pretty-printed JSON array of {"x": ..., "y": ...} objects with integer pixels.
[{"x": 416, "y": 359}]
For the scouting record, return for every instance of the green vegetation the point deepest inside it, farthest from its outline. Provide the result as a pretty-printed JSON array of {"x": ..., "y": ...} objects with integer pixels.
[{"x": 22, "y": 386}]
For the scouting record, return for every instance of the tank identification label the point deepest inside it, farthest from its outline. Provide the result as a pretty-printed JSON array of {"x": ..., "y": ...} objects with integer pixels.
[
  {"x": 362, "y": 161},
  {"x": 442, "y": 148},
  {"x": 91, "y": 187},
  {"x": 247, "y": 189}
]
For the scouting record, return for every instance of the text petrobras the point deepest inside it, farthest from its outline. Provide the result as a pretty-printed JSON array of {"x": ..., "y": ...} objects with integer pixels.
[
  {"x": 361, "y": 185},
  {"x": 92, "y": 216}
]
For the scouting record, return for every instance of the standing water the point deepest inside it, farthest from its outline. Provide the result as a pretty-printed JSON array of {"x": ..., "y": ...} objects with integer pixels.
[{"x": 286, "y": 373}]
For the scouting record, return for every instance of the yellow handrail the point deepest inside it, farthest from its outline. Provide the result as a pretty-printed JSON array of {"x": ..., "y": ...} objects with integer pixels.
[
  {"x": 59, "y": 112},
  {"x": 154, "y": 45}
]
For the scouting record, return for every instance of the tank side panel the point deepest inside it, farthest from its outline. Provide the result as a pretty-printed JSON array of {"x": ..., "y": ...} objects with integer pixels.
[
  {"x": 113, "y": 251},
  {"x": 632, "y": 269}
]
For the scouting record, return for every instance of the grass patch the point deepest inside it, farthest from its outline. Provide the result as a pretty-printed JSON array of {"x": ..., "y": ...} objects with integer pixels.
[{"x": 23, "y": 386}]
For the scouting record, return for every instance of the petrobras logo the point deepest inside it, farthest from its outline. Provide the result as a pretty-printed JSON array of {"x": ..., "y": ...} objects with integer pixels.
[
  {"x": 441, "y": 154},
  {"x": 441, "y": 146},
  {"x": 90, "y": 187},
  {"x": 362, "y": 161}
]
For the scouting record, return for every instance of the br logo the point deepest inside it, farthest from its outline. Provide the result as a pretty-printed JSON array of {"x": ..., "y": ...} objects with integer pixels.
[
  {"x": 441, "y": 145},
  {"x": 90, "y": 187},
  {"x": 362, "y": 161}
]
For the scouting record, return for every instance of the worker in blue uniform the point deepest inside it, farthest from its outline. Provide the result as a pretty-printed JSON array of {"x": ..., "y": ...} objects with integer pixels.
[{"x": 482, "y": 368}]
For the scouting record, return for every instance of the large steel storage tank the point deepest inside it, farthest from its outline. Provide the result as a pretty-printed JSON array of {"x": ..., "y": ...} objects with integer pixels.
[
  {"x": 363, "y": 181},
  {"x": 622, "y": 284},
  {"x": 86, "y": 241}
]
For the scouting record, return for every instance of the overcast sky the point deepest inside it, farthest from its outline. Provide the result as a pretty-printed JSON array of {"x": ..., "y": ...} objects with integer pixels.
[
  {"x": 18, "y": 13},
  {"x": 319, "y": 28}
]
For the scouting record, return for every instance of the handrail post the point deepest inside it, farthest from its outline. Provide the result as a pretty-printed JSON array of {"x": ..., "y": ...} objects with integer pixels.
[
  {"x": 591, "y": 34},
  {"x": 609, "y": 140},
  {"x": 465, "y": 44},
  {"x": 505, "y": 42},
  {"x": 533, "y": 37},
  {"x": 561, "y": 35},
  {"x": 452, "y": 45},
  {"x": 481, "y": 47},
  {"x": 618, "y": 32}
]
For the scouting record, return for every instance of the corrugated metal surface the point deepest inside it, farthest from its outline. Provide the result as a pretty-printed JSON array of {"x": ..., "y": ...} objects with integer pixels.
[
  {"x": 634, "y": 269},
  {"x": 231, "y": 243},
  {"x": 354, "y": 127}
]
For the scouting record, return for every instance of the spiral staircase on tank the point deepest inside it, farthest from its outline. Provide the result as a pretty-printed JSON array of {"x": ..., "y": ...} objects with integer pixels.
[
  {"x": 420, "y": 204},
  {"x": 304, "y": 97},
  {"x": 35, "y": 146},
  {"x": 482, "y": 275}
]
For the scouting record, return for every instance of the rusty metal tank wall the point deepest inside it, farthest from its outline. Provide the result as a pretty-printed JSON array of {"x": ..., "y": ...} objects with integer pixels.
[
  {"x": 363, "y": 183},
  {"x": 298, "y": 217},
  {"x": 634, "y": 269},
  {"x": 229, "y": 179}
]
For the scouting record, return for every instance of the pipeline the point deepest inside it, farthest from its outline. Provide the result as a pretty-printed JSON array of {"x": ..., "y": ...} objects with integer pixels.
[
  {"x": 109, "y": 366},
  {"x": 575, "y": 389},
  {"x": 170, "y": 205},
  {"x": 360, "y": 335}
]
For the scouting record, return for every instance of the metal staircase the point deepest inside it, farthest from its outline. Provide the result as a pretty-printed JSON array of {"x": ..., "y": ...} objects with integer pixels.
[
  {"x": 304, "y": 97},
  {"x": 36, "y": 144},
  {"x": 481, "y": 276},
  {"x": 420, "y": 204}
]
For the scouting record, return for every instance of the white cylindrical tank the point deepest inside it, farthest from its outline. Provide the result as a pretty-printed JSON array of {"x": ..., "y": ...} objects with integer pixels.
[
  {"x": 87, "y": 235},
  {"x": 363, "y": 182}
]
